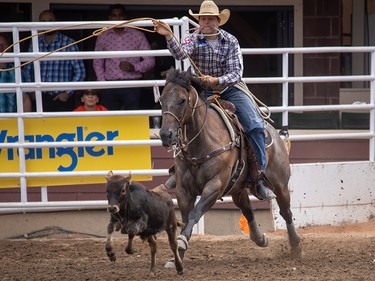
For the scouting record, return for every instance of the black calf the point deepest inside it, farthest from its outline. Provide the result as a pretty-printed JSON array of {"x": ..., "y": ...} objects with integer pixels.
[{"x": 137, "y": 211}]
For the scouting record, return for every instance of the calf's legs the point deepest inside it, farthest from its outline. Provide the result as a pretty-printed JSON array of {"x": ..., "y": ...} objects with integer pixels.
[{"x": 108, "y": 245}]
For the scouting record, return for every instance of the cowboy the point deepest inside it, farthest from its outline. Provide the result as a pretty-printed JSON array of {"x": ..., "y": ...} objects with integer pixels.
[{"x": 217, "y": 54}]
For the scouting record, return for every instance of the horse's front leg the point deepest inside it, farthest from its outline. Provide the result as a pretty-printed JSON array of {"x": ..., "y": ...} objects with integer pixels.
[
  {"x": 242, "y": 201},
  {"x": 191, "y": 213}
]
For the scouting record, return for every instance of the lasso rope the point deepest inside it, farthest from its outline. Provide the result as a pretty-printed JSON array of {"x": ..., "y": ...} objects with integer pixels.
[
  {"x": 94, "y": 34},
  {"x": 103, "y": 29}
]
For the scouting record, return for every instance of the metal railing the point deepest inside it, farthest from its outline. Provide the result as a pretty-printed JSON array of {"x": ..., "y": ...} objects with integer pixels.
[{"x": 18, "y": 57}]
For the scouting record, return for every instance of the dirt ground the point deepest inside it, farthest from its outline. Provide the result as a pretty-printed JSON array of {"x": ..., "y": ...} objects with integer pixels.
[{"x": 331, "y": 253}]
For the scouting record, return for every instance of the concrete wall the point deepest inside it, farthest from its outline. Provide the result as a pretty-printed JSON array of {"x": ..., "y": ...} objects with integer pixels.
[
  {"x": 321, "y": 194},
  {"x": 331, "y": 193},
  {"x": 94, "y": 222}
]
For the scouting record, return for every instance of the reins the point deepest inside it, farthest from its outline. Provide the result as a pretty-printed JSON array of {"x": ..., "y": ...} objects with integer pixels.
[{"x": 181, "y": 125}]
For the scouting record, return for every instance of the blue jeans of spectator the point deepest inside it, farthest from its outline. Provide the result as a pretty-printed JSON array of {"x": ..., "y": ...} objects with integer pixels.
[
  {"x": 251, "y": 121},
  {"x": 121, "y": 99},
  {"x": 8, "y": 102}
]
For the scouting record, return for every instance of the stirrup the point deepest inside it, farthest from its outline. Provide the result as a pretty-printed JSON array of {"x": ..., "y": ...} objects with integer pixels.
[{"x": 264, "y": 192}]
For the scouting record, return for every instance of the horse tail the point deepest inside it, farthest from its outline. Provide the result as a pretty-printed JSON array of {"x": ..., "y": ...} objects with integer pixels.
[{"x": 284, "y": 134}]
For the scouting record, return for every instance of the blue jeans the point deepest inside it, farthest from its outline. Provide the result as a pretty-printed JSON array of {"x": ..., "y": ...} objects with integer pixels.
[
  {"x": 251, "y": 121},
  {"x": 121, "y": 98}
]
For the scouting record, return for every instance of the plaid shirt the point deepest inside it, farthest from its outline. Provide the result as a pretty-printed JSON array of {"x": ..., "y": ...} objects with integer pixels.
[
  {"x": 57, "y": 70},
  {"x": 224, "y": 62}
]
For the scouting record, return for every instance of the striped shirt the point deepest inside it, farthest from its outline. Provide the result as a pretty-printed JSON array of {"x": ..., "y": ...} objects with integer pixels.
[
  {"x": 223, "y": 60},
  {"x": 57, "y": 70}
]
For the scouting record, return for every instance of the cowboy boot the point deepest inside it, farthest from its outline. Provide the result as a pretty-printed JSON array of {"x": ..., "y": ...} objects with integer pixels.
[{"x": 264, "y": 191}]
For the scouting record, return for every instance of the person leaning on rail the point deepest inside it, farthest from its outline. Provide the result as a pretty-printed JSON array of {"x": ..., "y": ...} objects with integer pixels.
[
  {"x": 56, "y": 70},
  {"x": 90, "y": 101},
  {"x": 7, "y": 100},
  {"x": 127, "y": 68},
  {"x": 217, "y": 54}
]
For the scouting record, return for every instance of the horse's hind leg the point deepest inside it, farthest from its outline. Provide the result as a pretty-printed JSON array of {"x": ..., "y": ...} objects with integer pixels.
[
  {"x": 243, "y": 202},
  {"x": 283, "y": 200}
]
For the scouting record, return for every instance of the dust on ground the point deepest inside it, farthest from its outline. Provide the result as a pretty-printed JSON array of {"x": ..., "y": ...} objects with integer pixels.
[{"x": 344, "y": 252}]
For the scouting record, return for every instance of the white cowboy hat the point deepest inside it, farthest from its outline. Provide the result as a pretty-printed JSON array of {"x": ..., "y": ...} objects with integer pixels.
[{"x": 209, "y": 8}]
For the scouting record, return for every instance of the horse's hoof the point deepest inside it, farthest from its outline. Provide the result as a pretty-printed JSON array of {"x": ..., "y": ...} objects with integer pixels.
[
  {"x": 181, "y": 272},
  {"x": 129, "y": 251},
  {"x": 261, "y": 241},
  {"x": 297, "y": 253},
  {"x": 112, "y": 257},
  {"x": 170, "y": 264},
  {"x": 264, "y": 242}
]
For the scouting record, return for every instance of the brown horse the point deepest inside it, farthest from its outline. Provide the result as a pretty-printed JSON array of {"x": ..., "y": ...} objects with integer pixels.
[{"x": 209, "y": 161}]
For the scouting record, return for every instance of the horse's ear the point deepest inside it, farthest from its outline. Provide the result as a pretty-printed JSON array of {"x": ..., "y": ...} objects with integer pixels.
[
  {"x": 186, "y": 75},
  {"x": 189, "y": 72},
  {"x": 169, "y": 73}
]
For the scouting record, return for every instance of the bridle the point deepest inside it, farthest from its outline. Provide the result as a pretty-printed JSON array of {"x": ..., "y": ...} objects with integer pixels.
[{"x": 183, "y": 143}]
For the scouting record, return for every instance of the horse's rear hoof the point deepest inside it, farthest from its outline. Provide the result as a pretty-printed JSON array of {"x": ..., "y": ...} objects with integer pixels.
[
  {"x": 297, "y": 253},
  {"x": 261, "y": 241},
  {"x": 264, "y": 242},
  {"x": 111, "y": 256}
]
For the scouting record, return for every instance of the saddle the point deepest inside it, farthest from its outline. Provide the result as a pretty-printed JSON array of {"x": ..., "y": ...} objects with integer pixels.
[
  {"x": 230, "y": 109},
  {"x": 227, "y": 110}
]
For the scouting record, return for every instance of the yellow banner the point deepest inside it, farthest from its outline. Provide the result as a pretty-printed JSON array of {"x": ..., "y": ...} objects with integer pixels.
[{"x": 70, "y": 159}]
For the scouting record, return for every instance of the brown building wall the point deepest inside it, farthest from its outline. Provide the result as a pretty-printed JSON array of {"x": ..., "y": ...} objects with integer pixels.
[{"x": 321, "y": 28}]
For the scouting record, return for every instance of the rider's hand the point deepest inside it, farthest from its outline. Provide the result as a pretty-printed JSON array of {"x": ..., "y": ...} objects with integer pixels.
[
  {"x": 162, "y": 28},
  {"x": 209, "y": 81}
]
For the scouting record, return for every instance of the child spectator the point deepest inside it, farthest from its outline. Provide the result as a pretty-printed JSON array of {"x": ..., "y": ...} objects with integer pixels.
[{"x": 90, "y": 101}]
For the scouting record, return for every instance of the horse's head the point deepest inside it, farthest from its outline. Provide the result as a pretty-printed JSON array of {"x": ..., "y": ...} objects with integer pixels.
[{"x": 176, "y": 105}]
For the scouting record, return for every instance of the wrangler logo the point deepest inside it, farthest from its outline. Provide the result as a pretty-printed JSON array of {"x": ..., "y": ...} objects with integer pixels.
[{"x": 73, "y": 153}]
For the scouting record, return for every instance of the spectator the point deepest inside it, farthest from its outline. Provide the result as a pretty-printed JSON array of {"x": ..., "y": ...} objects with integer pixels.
[
  {"x": 132, "y": 68},
  {"x": 90, "y": 101},
  {"x": 56, "y": 71},
  {"x": 7, "y": 100}
]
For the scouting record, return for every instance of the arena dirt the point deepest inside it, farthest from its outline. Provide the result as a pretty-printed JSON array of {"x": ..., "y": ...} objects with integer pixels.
[{"x": 331, "y": 253}]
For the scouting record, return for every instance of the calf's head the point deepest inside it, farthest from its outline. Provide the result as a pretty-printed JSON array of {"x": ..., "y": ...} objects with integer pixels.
[{"x": 116, "y": 188}]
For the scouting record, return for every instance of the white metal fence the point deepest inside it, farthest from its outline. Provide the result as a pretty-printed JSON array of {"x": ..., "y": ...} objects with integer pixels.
[{"x": 180, "y": 27}]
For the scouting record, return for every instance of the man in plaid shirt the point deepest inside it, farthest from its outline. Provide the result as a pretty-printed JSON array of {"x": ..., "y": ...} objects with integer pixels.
[
  {"x": 56, "y": 70},
  {"x": 218, "y": 56}
]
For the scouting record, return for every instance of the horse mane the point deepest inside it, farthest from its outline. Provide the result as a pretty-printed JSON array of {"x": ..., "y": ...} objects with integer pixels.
[
  {"x": 186, "y": 80},
  {"x": 181, "y": 78}
]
